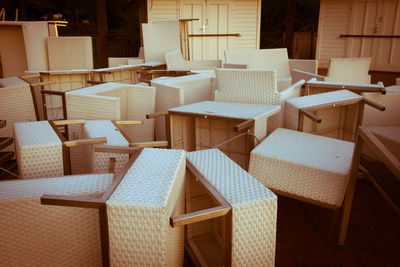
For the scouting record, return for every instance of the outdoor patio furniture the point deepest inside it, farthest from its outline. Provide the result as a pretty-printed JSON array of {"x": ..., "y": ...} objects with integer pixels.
[
  {"x": 178, "y": 91},
  {"x": 385, "y": 174},
  {"x": 117, "y": 61},
  {"x": 34, "y": 234},
  {"x": 334, "y": 114},
  {"x": 69, "y": 52},
  {"x": 342, "y": 70},
  {"x": 121, "y": 74},
  {"x": 115, "y": 101},
  {"x": 234, "y": 128},
  {"x": 134, "y": 212},
  {"x": 276, "y": 59},
  {"x": 313, "y": 86},
  {"x": 384, "y": 124},
  {"x": 252, "y": 86},
  {"x": 16, "y": 105},
  {"x": 304, "y": 166},
  {"x": 248, "y": 230},
  {"x": 175, "y": 61},
  {"x": 42, "y": 151}
]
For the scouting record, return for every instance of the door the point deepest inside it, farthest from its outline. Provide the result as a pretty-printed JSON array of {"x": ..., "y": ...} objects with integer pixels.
[
  {"x": 379, "y": 20},
  {"x": 213, "y": 18}
]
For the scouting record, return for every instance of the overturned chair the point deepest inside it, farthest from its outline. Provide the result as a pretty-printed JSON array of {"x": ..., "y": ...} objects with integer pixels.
[{"x": 117, "y": 217}]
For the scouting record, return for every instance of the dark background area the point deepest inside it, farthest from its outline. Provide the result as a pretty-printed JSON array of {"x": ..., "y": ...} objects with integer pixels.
[{"x": 123, "y": 22}]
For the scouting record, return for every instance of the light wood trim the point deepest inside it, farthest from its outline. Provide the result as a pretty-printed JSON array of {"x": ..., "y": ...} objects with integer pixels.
[
  {"x": 243, "y": 125},
  {"x": 374, "y": 104},
  {"x": 199, "y": 216},
  {"x": 71, "y": 201},
  {"x": 358, "y": 88},
  {"x": 209, "y": 188},
  {"x": 150, "y": 144},
  {"x": 90, "y": 141},
  {"x": 67, "y": 122},
  {"x": 156, "y": 115},
  {"x": 43, "y": 83},
  {"x": 23, "y": 77},
  {"x": 50, "y": 92},
  {"x": 116, "y": 149},
  {"x": 128, "y": 122},
  {"x": 111, "y": 164}
]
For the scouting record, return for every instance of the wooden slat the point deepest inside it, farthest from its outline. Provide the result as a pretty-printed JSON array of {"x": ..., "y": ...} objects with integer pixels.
[
  {"x": 373, "y": 104},
  {"x": 90, "y": 141},
  {"x": 72, "y": 201},
  {"x": 49, "y": 92},
  {"x": 199, "y": 216},
  {"x": 150, "y": 144},
  {"x": 156, "y": 115},
  {"x": 116, "y": 149},
  {"x": 244, "y": 125},
  {"x": 67, "y": 122},
  {"x": 128, "y": 122}
]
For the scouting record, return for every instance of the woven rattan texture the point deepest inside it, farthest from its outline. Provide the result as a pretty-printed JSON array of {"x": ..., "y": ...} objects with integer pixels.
[
  {"x": 391, "y": 115},
  {"x": 98, "y": 162},
  {"x": 39, "y": 150},
  {"x": 140, "y": 208},
  {"x": 349, "y": 70},
  {"x": 253, "y": 87},
  {"x": 254, "y": 207},
  {"x": 333, "y": 118},
  {"x": 64, "y": 82},
  {"x": 178, "y": 91},
  {"x": 38, "y": 235},
  {"x": 390, "y": 137},
  {"x": 117, "y": 102},
  {"x": 16, "y": 105},
  {"x": 306, "y": 165}
]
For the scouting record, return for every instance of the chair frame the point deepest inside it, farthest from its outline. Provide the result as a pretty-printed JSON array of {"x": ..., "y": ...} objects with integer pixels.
[
  {"x": 364, "y": 136},
  {"x": 99, "y": 203}
]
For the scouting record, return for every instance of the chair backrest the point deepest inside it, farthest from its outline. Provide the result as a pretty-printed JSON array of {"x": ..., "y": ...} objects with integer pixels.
[
  {"x": 178, "y": 91},
  {"x": 350, "y": 70},
  {"x": 175, "y": 60},
  {"x": 34, "y": 234},
  {"x": 247, "y": 86},
  {"x": 158, "y": 38},
  {"x": 276, "y": 58}
]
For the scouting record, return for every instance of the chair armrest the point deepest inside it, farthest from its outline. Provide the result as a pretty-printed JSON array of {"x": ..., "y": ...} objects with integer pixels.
[
  {"x": 298, "y": 75},
  {"x": 235, "y": 66},
  {"x": 292, "y": 91},
  {"x": 307, "y": 65}
]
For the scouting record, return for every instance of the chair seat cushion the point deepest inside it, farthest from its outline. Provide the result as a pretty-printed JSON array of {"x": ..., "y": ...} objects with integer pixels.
[{"x": 309, "y": 167}]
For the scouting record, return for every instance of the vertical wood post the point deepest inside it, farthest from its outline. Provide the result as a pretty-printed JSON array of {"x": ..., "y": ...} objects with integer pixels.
[
  {"x": 290, "y": 19},
  {"x": 102, "y": 30}
]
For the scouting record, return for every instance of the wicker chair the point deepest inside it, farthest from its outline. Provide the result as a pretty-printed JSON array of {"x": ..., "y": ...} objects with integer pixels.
[
  {"x": 343, "y": 70},
  {"x": 304, "y": 166},
  {"x": 175, "y": 61},
  {"x": 115, "y": 101},
  {"x": 179, "y": 91},
  {"x": 33, "y": 234},
  {"x": 255, "y": 87},
  {"x": 248, "y": 230},
  {"x": 276, "y": 59}
]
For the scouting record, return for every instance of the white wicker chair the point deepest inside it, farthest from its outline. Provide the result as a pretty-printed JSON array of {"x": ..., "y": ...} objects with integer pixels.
[
  {"x": 276, "y": 59},
  {"x": 255, "y": 87},
  {"x": 251, "y": 225},
  {"x": 175, "y": 61},
  {"x": 178, "y": 91},
  {"x": 115, "y": 101},
  {"x": 304, "y": 166},
  {"x": 337, "y": 111},
  {"x": 16, "y": 105},
  {"x": 385, "y": 124},
  {"x": 37, "y": 235},
  {"x": 343, "y": 70}
]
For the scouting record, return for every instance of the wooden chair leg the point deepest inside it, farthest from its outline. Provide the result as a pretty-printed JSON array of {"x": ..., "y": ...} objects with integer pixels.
[
  {"x": 336, "y": 219},
  {"x": 351, "y": 186}
]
